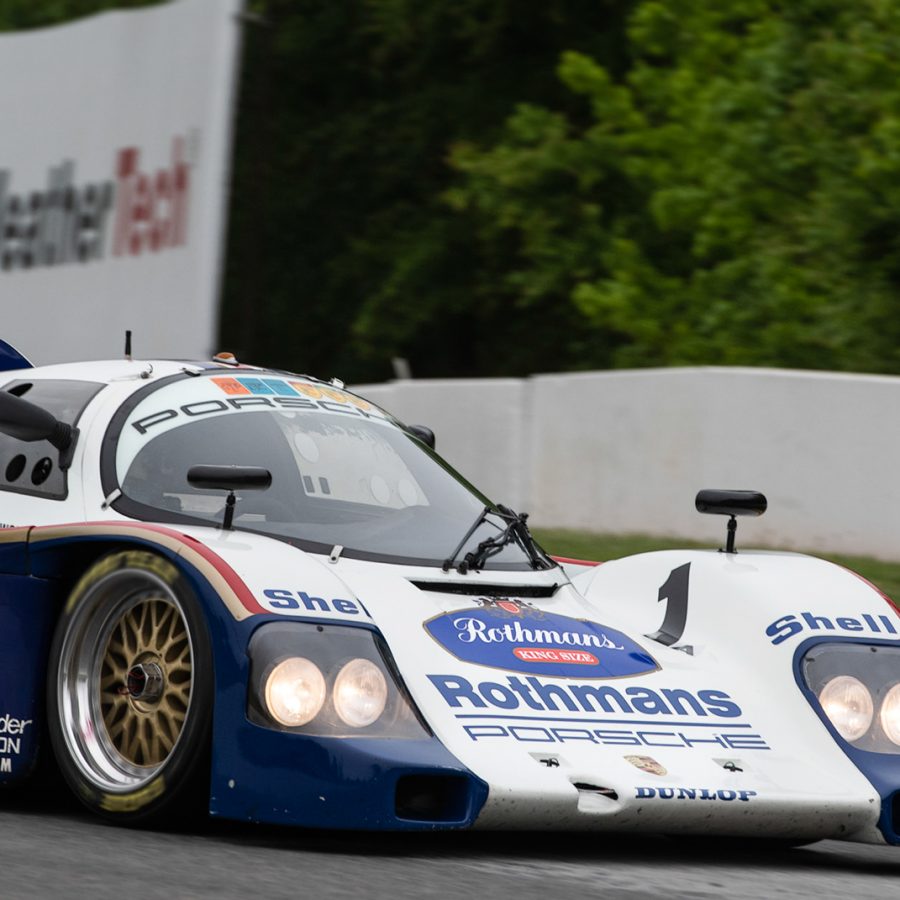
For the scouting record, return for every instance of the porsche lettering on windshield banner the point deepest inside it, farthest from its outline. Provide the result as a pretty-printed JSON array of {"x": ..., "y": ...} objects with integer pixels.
[
  {"x": 194, "y": 400},
  {"x": 112, "y": 182}
]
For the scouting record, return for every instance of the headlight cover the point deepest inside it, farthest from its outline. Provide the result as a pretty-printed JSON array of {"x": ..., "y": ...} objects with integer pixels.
[
  {"x": 890, "y": 715},
  {"x": 848, "y": 704},
  {"x": 858, "y": 688},
  {"x": 360, "y": 693},
  {"x": 294, "y": 691},
  {"x": 327, "y": 680}
]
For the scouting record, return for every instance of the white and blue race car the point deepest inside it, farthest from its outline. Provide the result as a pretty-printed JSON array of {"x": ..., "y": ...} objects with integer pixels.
[{"x": 257, "y": 592}]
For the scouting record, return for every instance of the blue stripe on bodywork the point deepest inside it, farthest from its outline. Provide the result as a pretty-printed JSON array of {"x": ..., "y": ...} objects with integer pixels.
[
  {"x": 881, "y": 769},
  {"x": 264, "y": 775},
  {"x": 258, "y": 774},
  {"x": 11, "y": 359},
  {"x": 28, "y": 610}
]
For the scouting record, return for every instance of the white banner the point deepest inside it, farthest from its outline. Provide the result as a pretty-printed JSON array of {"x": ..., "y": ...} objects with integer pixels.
[{"x": 114, "y": 153}]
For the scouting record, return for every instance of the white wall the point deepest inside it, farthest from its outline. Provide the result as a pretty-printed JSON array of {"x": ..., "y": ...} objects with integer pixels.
[
  {"x": 627, "y": 451},
  {"x": 481, "y": 428}
]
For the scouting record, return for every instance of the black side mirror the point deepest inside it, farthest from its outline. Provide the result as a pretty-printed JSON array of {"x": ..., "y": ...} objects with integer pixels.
[
  {"x": 26, "y": 422},
  {"x": 731, "y": 503},
  {"x": 231, "y": 479},
  {"x": 425, "y": 435}
]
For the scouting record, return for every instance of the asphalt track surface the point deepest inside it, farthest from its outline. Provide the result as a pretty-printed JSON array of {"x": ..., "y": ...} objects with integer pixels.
[{"x": 51, "y": 848}]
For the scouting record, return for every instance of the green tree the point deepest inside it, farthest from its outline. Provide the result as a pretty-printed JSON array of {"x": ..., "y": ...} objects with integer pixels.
[
  {"x": 18, "y": 14},
  {"x": 342, "y": 252},
  {"x": 733, "y": 200}
]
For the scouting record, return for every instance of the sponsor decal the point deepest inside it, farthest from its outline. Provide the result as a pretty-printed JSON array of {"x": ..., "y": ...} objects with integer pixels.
[
  {"x": 237, "y": 401},
  {"x": 532, "y": 693},
  {"x": 574, "y": 657},
  {"x": 285, "y": 600},
  {"x": 514, "y": 635},
  {"x": 11, "y": 731},
  {"x": 663, "y": 793},
  {"x": 789, "y": 626},
  {"x": 686, "y": 736},
  {"x": 571, "y": 714},
  {"x": 729, "y": 765},
  {"x": 647, "y": 764},
  {"x": 136, "y": 800},
  {"x": 248, "y": 386},
  {"x": 67, "y": 222},
  {"x": 501, "y": 605}
]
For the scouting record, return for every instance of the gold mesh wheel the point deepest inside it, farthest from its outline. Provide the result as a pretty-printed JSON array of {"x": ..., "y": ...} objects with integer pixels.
[
  {"x": 145, "y": 681},
  {"x": 130, "y": 684}
]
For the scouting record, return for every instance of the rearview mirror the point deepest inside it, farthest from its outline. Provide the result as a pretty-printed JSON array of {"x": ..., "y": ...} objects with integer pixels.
[{"x": 231, "y": 479}]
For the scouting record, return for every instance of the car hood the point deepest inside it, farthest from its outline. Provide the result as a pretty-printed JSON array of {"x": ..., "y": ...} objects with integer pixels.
[{"x": 548, "y": 688}]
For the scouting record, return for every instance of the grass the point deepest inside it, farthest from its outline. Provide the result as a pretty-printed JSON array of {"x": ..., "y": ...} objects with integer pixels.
[{"x": 585, "y": 545}]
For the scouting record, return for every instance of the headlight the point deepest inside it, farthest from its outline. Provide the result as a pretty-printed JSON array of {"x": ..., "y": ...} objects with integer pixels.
[
  {"x": 890, "y": 714},
  {"x": 295, "y": 691},
  {"x": 360, "y": 693},
  {"x": 858, "y": 692},
  {"x": 327, "y": 680},
  {"x": 848, "y": 703}
]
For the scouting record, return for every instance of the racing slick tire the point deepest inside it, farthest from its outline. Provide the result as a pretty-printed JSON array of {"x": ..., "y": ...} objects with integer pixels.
[{"x": 129, "y": 691}]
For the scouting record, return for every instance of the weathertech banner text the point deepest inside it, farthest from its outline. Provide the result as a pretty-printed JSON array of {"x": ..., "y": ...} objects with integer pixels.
[{"x": 112, "y": 182}]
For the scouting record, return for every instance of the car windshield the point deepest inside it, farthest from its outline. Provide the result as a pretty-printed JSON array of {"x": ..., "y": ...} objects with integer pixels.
[{"x": 344, "y": 473}]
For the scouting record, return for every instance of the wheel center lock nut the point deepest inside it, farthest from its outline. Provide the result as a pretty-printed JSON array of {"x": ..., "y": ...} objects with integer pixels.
[{"x": 145, "y": 682}]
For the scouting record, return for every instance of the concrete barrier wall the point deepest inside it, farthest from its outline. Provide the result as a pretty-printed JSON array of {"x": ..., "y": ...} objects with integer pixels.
[
  {"x": 481, "y": 428},
  {"x": 627, "y": 451}
]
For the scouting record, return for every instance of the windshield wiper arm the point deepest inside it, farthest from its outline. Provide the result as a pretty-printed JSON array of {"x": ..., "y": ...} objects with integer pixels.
[
  {"x": 476, "y": 558},
  {"x": 448, "y": 562},
  {"x": 516, "y": 530},
  {"x": 539, "y": 559}
]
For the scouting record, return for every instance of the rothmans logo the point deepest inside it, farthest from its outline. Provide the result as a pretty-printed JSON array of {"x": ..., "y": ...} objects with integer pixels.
[
  {"x": 469, "y": 629},
  {"x": 548, "y": 644}
]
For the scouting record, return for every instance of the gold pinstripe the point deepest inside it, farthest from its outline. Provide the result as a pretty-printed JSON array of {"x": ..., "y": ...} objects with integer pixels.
[{"x": 232, "y": 602}]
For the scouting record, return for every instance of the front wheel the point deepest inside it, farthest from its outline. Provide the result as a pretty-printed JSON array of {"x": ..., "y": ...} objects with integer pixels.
[{"x": 130, "y": 690}]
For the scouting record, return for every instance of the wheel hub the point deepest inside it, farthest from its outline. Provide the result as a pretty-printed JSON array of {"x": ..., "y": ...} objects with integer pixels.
[{"x": 145, "y": 682}]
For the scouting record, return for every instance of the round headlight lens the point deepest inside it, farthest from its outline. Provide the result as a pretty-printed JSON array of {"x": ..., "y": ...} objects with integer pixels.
[
  {"x": 848, "y": 703},
  {"x": 890, "y": 714},
  {"x": 295, "y": 691},
  {"x": 360, "y": 693}
]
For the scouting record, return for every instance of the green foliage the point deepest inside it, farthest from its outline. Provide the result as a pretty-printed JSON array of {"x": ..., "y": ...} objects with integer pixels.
[
  {"x": 490, "y": 187},
  {"x": 18, "y": 14},
  {"x": 733, "y": 200},
  {"x": 342, "y": 251}
]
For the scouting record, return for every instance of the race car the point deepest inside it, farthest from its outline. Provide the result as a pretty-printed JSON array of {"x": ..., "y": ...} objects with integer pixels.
[{"x": 257, "y": 592}]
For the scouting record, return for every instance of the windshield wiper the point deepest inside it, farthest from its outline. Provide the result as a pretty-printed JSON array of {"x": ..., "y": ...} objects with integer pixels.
[
  {"x": 516, "y": 530},
  {"x": 448, "y": 562}
]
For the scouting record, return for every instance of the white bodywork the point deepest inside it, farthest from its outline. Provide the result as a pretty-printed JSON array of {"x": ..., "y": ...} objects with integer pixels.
[
  {"x": 794, "y": 780},
  {"x": 718, "y": 738}
]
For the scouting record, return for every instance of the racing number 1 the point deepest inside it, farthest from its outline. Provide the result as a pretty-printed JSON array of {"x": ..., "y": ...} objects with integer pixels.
[{"x": 675, "y": 591}]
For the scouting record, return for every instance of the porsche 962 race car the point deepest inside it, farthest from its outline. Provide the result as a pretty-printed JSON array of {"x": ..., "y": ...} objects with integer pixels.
[{"x": 261, "y": 591}]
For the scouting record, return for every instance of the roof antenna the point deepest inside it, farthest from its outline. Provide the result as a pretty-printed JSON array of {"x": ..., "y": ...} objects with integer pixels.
[{"x": 128, "y": 345}]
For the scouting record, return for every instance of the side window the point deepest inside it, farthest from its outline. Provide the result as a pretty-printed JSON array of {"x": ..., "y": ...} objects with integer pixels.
[{"x": 32, "y": 467}]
